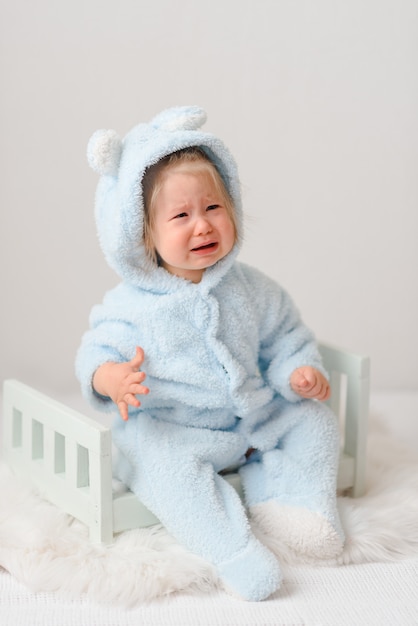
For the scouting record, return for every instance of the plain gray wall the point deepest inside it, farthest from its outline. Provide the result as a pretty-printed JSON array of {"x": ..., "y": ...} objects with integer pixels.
[{"x": 318, "y": 101}]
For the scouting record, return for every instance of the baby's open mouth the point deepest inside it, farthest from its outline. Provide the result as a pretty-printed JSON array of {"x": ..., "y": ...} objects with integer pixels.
[{"x": 207, "y": 246}]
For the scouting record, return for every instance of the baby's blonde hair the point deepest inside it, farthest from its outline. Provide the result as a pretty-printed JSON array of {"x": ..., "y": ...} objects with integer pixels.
[{"x": 192, "y": 160}]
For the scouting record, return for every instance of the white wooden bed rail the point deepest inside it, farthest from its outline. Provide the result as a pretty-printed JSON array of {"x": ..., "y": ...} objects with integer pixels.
[
  {"x": 68, "y": 456},
  {"x": 65, "y": 454},
  {"x": 350, "y": 385}
]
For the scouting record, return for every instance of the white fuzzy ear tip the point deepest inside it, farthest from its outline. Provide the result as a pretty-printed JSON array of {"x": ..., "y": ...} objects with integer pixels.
[
  {"x": 103, "y": 152},
  {"x": 180, "y": 118}
]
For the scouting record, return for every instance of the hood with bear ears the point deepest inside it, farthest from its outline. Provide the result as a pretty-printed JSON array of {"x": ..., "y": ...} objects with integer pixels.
[{"x": 119, "y": 198}]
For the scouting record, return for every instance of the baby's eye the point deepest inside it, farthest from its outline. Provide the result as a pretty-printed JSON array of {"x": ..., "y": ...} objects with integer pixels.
[
  {"x": 180, "y": 215},
  {"x": 211, "y": 207}
]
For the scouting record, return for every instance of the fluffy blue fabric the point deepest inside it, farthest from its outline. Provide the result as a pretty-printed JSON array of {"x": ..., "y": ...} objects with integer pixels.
[{"x": 218, "y": 358}]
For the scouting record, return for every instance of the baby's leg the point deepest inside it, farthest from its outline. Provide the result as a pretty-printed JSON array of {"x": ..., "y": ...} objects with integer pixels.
[
  {"x": 291, "y": 489},
  {"x": 171, "y": 469}
]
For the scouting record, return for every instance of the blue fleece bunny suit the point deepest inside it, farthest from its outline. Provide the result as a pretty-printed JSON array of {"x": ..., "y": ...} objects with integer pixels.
[{"x": 218, "y": 359}]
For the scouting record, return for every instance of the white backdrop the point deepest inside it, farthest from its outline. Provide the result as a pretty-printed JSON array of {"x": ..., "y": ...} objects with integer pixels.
[{"x": 318, "y": 101}]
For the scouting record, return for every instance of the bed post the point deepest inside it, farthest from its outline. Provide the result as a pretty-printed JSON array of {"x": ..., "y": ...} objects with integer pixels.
[{"x": 353, "y": 402}]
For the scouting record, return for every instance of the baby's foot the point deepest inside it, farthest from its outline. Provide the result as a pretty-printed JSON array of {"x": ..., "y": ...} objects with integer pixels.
[
  {"x": 253, "y": 574},
  {"x": 306, "y": 532}
]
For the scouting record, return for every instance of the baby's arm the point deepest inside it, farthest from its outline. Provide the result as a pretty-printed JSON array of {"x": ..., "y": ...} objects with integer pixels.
[
  {"x": 308, "y": 382},
  {"x": 121, "y": 382}
]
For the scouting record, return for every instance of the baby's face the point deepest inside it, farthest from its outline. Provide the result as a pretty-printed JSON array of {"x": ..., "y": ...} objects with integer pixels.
[{"x": 192, "y": 228}]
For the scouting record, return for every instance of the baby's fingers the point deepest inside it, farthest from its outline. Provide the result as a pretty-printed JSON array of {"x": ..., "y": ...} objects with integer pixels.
[
  {"x": 123, "y": 410},
  {"x": 320, "y": 390},
  {"x": 138, "y": 389},
  {"x": 130, "y": 399},
  {"x": 138, "y": 359},
  {"x": 135, "y": 378},
  {"x": 324, "y": 392},
  {"x": 304, "y": 384}
]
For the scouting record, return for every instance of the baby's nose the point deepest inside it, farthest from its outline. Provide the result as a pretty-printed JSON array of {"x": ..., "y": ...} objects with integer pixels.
[{"x": 203, "y": 226}]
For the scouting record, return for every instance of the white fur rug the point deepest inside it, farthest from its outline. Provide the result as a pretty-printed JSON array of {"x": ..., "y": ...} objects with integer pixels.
[{"x": 48, "y": 551}]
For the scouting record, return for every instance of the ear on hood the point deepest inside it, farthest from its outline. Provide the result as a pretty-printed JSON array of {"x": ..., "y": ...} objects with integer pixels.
[{"x": 104, "y": 151}]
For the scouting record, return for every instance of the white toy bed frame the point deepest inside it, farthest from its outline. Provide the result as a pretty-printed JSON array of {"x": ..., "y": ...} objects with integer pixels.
[{"x": 68, "y": 456}]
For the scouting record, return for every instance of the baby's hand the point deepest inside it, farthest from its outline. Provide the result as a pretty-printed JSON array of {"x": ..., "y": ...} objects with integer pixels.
[
  {"x": 122, "y": 382},
  {"x": 308, "y": 382}
]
